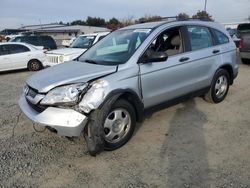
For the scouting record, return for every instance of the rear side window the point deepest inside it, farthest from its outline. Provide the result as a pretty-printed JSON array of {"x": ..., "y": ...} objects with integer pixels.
[
  {"x": 221, "y": 38},
  {"x": 200, "y": 37},
  {"x": 16, "y": 48},
  {"x": 47, "y": 42}
]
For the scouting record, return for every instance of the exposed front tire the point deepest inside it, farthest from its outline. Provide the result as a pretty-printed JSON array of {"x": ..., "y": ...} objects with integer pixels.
[
  {"x": 34, "y": 65},
  {"x": 119, "y": 125},
  {"x": 219, "y": 87},
  {"x": 111, "y": 127}
]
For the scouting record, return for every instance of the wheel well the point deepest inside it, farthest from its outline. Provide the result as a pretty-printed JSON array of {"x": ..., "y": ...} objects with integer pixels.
[
  {"x": 134, "y": 100},
  {"x": 229, "y": 69},
  {"x": 34, "y": 60}
]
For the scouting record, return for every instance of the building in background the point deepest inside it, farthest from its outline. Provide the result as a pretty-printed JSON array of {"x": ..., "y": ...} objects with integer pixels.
[{"x": 59, "y": 32}]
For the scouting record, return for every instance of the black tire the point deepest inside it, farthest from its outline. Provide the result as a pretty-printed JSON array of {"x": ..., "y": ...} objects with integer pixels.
[
  {"x": 212, "y": 95},
  {"x": 245, "y": 61},
  {"x": 95, "y": 134},
  {"x": 34, "y": 65}
]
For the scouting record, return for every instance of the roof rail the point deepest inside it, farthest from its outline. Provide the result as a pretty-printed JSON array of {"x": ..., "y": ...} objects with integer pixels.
[{"x": 176, "y": 18}]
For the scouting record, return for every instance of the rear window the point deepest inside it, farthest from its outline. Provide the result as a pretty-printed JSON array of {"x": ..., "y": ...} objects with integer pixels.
[
  {"x": 221, "y": 38},
  {"x": 16, "y": 48},
  {"x": 244, "y": 28},
  {"x": 47, "y": 42},
  {"x": 200, "y": 37}
]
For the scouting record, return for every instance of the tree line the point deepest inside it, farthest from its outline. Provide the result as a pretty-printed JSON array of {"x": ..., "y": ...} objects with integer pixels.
[{"x": 115, "y": 23}]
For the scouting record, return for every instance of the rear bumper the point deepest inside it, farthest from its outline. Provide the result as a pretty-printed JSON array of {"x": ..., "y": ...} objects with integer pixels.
[
  {"x": 245, "y": 55},
  {"x": 66, "y": 122}
]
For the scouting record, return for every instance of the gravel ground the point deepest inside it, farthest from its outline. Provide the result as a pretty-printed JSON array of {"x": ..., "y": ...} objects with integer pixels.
[{"x": 192, "y": 144}]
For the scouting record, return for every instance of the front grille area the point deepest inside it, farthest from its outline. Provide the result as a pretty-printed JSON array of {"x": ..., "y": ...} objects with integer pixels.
[
  {"x": 52, "y": 59},
  {"x": 37, "y": 107},
  {"x": 32, "y": 93}
]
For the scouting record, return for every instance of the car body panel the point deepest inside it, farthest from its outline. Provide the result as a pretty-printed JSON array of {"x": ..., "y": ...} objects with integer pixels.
[
  {"x": 67, "y": 73},
  {"x": 66, "y": 122}
]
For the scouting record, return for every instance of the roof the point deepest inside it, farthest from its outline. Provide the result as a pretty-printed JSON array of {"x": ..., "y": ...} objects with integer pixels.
[
  {"x": 22, "y": 43},
  {"x": 31, "y": 27},
  {"x": 148, "y": 25},
  {"x": 153, "y": 25}
]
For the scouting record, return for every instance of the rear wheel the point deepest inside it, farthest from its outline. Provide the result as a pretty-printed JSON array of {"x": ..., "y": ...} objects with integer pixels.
[
  {"x": 34, "y": 65},
  {"x": 219, "y": 87}
]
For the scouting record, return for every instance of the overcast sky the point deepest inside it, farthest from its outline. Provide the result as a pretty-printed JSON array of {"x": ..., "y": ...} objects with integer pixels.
[{"x": 14, "y": 13}]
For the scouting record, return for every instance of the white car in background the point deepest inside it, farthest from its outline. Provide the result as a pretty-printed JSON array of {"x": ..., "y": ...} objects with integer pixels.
[
  {"x": 79, "y": 46},
  {"x": 16, "y": 55}
]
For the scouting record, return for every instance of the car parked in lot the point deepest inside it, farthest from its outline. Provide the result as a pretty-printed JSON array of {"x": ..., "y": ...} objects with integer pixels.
[
  {"x": 15, "y": 55},
  {"x": 37, "y": 40},
  {"x": 243, "y": 32},
  {"x": 78, "y": 46},
  {"x": 109, "y": 87}
]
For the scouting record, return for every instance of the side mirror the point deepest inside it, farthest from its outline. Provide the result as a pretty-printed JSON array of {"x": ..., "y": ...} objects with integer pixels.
[{"x": 155, "y": 57}]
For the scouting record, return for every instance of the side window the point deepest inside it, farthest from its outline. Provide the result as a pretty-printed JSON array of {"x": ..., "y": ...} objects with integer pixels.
[
  {"x": 32, "y": 40},
  {"x": 170, "y": 42},
  {"x": 200, "y": 37},
  {"x": 4, "y": 50},
  {"x": 221, "y": 38},
  {"x": 16, "y": 48}
]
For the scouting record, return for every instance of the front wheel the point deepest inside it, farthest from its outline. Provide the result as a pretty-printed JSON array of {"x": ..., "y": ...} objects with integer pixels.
[
  {"x": 110, "y": 127},
  {"x": 119, "y": 125},
  {"x": 219, "y": 87}
]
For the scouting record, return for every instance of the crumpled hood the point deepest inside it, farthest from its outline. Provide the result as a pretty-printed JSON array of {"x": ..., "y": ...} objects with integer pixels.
[
  {"x": 67, "y": 51},
  {"x": 67, "y": 73}
]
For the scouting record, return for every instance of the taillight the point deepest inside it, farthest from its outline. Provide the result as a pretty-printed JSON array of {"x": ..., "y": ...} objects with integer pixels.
[{"x": 241, "y": 43}]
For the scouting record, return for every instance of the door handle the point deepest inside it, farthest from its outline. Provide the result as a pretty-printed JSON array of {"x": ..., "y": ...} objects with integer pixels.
[
  {"x": 216, "y": 51},
  {"x": 183, "y": 59}
]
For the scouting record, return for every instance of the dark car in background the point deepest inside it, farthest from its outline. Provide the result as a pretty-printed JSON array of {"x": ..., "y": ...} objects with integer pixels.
[
  {"x": 243, "y": 32},
  {"x": 37, "y": 40}
]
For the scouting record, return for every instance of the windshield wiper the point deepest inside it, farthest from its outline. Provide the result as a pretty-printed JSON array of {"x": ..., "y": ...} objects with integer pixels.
[{"x": 90, "y": 61}]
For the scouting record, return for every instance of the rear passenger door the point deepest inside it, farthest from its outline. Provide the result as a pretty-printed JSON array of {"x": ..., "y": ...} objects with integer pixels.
[
  {"x": 19, "y": 55},
  {"x": 204, "y": 55},
  {"x": 4, "y": 58}
]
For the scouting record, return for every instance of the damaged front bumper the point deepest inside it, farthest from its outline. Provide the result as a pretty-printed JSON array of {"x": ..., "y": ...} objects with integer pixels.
[{"x": 66, "y": 122}]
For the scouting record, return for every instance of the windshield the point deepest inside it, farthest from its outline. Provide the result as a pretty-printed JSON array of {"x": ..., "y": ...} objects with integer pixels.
[
  {"x": 244, "y": 28},
  {"x": 116, "y": 48},
  {"x": 83, "y": 42},
  {"x": 15, "y": 39}
]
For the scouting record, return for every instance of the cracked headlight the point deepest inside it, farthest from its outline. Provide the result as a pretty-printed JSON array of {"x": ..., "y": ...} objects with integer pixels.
[
  {"x": 94, "y": 96},
  {"x": 64, "y": 95}
]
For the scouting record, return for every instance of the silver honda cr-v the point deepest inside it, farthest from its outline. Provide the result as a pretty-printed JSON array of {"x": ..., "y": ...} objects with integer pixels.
[{"x": 104, "y": 92}]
